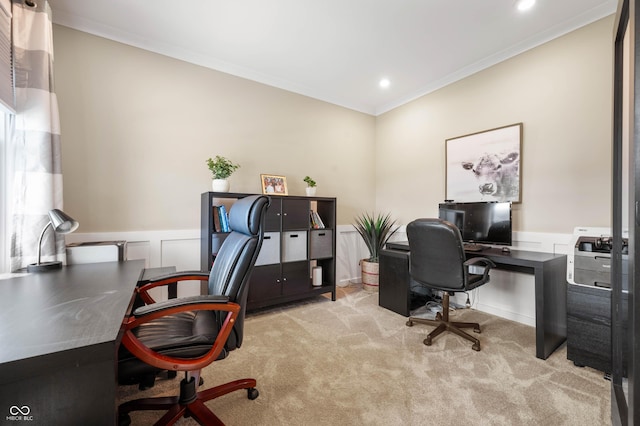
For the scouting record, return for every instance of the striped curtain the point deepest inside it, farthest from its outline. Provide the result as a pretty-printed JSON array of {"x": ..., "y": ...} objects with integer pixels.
[{"x": 34, "y": 136}]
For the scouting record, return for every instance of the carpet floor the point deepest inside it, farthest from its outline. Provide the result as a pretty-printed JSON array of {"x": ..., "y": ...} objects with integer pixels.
[{"x": 351, "y": 362}]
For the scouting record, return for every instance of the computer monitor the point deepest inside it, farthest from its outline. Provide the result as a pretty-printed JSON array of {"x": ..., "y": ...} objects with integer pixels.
[{"x": 480, "y": 222}]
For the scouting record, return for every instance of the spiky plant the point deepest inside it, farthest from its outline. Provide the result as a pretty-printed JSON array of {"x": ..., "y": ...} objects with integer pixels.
[{"x": 375, "y": 230}]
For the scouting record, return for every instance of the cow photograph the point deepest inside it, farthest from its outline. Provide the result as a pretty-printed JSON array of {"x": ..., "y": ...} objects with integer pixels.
[{"x": 484, "y": 166}]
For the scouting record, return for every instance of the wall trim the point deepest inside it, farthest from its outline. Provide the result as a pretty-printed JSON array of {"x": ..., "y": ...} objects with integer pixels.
[{"x": 509, "y": 297}]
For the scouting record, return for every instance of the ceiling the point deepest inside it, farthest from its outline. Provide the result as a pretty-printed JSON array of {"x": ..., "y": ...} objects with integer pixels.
[{"x": 335, "y": 50}]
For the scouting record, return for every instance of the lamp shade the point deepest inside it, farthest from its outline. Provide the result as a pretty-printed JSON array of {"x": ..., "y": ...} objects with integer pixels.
[{"x": 61, "y": 222}]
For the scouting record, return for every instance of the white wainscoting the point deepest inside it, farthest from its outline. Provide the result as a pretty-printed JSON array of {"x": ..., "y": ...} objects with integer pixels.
[
  {"x": 179, "y": 248},
  {"x": 509, "y": 295}
]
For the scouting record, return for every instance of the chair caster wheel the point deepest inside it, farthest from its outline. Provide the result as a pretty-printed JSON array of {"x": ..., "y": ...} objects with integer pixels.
[
  {"x": 427, "y": 341},
  {"x": 252, "y": 393},
  {"x": 409, "y": 323},
  {"x": 476, "y": 347},
  {"x": 124, "y": 420}
]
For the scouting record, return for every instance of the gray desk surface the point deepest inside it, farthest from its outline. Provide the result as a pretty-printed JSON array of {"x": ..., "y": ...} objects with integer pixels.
[
  {"x": 79, "y": 305},
  {"x": 514, "y": 257},
  {"x": 59, "y": 333}
]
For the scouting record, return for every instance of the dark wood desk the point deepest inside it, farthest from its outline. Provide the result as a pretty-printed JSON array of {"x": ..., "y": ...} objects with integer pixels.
[
  {"x": 549, "y": 271},
  {"x": 59, "y": 333}
]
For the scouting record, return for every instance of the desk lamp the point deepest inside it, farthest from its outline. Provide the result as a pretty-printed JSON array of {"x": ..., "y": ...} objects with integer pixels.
[{"x": 60, "y": 223}]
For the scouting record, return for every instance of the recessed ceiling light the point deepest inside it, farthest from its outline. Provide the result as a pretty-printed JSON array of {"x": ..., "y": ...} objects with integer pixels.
[
  {"x": 525, "y": 4},
  {"x": 384, "y": 83}
]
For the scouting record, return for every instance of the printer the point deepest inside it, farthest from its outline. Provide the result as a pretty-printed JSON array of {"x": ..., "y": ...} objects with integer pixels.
[{"x": 589, "y": 257}]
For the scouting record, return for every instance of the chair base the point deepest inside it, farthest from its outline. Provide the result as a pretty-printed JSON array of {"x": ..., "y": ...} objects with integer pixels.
[
  {"x": 189, "y": 404},
  {"x": 442, "y": 324}
]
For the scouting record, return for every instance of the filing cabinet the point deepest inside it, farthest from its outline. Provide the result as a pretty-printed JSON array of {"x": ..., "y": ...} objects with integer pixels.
[
  {"x": 589, "y": 300},
  {"x": 589, "y": 326}
]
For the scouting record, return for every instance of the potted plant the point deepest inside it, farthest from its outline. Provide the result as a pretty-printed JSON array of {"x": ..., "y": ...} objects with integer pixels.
[
  {"x": 311, "y": 186},
  {"x": 375, "y": 230},
  {"x": 221, "y": 168}
]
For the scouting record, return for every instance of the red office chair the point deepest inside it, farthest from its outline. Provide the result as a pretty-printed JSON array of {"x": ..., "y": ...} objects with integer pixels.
[{"x": 187, "y": 334}]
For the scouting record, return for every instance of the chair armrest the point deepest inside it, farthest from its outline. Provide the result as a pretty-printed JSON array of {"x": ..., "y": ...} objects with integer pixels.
[
  {"x": 176, "y": 276},
  {"x": 486, "y": 262},
  {"x": 482, "y": 262},
  {"x": 145, "y": 285},
  {"x": 180, "y": 302}
]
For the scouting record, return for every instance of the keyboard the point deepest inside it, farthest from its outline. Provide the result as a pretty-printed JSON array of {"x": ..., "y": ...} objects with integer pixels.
[{"x": 473, "y": 247}]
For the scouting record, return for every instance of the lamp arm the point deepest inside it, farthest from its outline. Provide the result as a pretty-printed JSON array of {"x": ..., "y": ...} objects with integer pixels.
[{"x": 40, "y": 240}]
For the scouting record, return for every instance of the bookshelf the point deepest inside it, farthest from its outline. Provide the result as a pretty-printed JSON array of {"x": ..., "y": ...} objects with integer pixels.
[{"x": 299, "y": 237}]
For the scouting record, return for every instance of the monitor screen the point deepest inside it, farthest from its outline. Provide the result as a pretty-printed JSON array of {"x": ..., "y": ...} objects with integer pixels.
[{"x": 488, "y": 222}]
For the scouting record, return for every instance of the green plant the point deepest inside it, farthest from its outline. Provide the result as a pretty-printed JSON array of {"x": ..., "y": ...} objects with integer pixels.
[
  {"x": 221, "y": 168},
  {"x": 375, "y": 230},
  {"x": 310, "y": 182}
]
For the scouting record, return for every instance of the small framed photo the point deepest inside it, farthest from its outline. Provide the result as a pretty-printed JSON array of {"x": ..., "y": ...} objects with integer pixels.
[{"x": 273, "y": 185}]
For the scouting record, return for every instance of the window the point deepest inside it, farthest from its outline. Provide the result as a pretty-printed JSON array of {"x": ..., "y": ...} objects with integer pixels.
[
  {"x": 6, "y": 107},
  {"x": 6, "y": 59},
  {"x": 4, "y": 199}
]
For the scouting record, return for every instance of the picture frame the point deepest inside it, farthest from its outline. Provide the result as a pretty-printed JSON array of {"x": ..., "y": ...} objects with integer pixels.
[
  {"x": 273, "y": 184},
  {"x": 485, "y": 166}
]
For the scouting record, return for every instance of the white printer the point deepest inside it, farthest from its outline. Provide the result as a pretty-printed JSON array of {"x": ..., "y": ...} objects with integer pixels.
[{"x": 589, "y": 257}]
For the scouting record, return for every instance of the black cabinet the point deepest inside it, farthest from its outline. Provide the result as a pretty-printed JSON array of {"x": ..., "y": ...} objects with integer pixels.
[
  {"x": 589, "y": 326},
  {"x": 287, "y": 214},
  {"x": 290, "y": 250}
]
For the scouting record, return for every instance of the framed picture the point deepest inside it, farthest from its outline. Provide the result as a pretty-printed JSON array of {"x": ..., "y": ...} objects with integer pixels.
[
  {"x": 273, "y": 185},
  {"x": 485, "y": 166}
]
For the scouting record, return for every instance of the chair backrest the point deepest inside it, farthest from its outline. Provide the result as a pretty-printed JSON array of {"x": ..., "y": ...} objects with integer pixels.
[
  {"x": 237, "y": 256},
  {"x": 436, "y": 254}
]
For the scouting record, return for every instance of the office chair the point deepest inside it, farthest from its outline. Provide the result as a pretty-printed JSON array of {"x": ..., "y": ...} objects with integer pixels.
[
  {"x": 187, "y": 334},
  {"x": 437, "y": 261}
]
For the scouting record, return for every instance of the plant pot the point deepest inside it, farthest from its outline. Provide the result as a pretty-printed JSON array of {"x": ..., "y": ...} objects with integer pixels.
[
  {"x": 311, "y": 191},
  {"x": 220, "y": 185},
  {"x": 370, "y": 272}
]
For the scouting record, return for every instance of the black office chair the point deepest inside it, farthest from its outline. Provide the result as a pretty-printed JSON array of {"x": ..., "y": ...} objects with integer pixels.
[
  {"x": 187, "y": 334},
  {"x": 437, "y": 261}
]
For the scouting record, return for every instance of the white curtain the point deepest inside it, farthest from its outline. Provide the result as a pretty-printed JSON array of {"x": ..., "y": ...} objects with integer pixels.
[{"x": 34, "y": 135}]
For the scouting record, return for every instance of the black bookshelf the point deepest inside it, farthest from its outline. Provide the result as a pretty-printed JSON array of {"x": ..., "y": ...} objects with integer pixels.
[{"x": 291, "y": 248}]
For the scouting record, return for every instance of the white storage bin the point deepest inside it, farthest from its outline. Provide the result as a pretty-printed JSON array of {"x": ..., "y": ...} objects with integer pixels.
[
  {"x": 294, "y": 246},
  {"x": 270, "y": 250}
]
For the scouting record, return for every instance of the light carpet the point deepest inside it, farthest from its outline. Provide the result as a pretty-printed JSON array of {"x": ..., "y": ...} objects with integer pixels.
[{"x": 351, "y": 362}]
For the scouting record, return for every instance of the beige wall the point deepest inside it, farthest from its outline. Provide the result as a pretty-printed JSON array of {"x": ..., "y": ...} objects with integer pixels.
[
  {"x": 137, "y": 128},
  {"x": 561, "y": 91}
]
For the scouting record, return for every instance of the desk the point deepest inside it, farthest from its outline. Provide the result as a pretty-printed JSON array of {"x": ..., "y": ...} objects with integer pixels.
[
  {"x": 549, "y": 271},
  {"x": 59, "y": 333}
]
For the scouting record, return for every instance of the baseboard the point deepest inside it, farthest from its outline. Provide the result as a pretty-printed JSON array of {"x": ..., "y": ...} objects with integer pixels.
[{"x": 513, "y": 316}]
